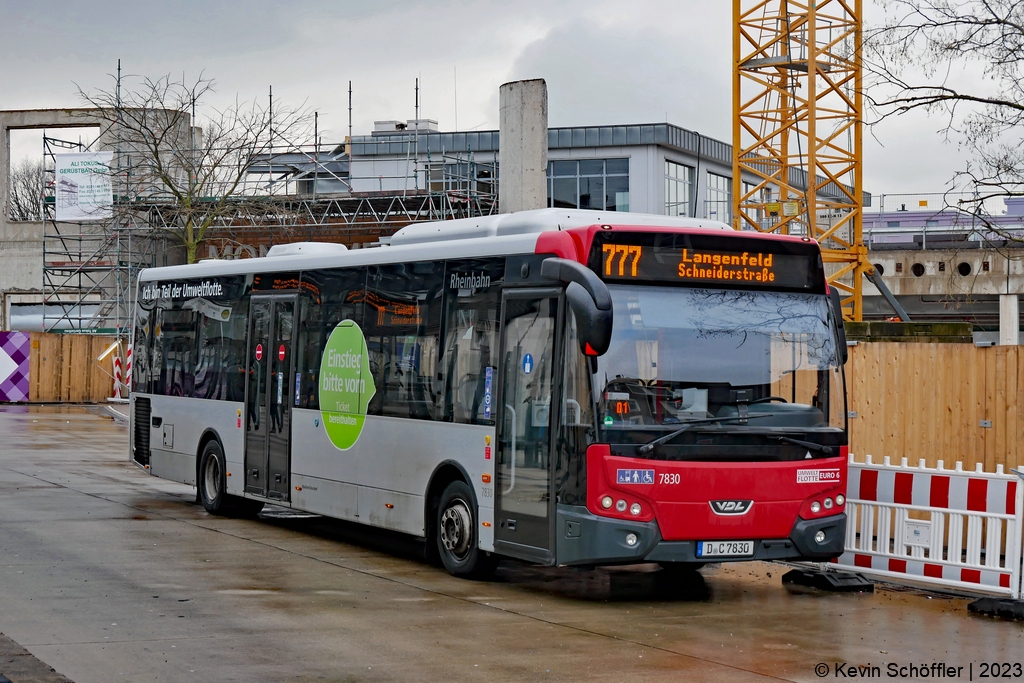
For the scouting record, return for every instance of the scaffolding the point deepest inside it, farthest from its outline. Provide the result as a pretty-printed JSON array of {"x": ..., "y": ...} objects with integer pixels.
[
  {"x": 797, "y": 128},
  {"x": 90, "y": 268}
]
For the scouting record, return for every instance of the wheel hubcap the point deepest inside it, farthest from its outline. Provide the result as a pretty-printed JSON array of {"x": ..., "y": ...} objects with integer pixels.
[
  {"x": 212, "y": 478},
  {"x": 455, "y": 529}
]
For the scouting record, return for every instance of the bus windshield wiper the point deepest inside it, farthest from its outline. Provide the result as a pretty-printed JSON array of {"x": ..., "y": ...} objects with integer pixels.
[
  {"x": 809, "y": 445},
  {"x": 649, "y": 446}
]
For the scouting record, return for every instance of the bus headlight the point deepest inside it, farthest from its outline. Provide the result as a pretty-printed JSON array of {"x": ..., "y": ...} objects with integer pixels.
[
  {"x": 634, "y": 509},
  {"x": 621, "y": 505},
  {"x": 815, "y": 507},
  {"x": 840, "y": 499},
  {"x": 606, "y": 502},
  {"x": 828, "y": 503},
  {"x": 631, "y": 540},
  {"x": 819, "y": 537}
]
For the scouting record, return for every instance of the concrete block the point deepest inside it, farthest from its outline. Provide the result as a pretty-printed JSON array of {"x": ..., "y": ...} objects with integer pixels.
[
  {"x": 1009, "y": 319},
  {"x": 523, "y": 146}
]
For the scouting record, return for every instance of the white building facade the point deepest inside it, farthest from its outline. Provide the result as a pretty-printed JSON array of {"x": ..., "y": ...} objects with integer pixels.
[{"x": 649, "y": 168}]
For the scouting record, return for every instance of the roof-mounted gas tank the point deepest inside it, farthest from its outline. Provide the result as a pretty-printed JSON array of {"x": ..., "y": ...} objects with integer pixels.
[
  {"x": 536, "y": 221},
  {"x": 306, "y": 249}
]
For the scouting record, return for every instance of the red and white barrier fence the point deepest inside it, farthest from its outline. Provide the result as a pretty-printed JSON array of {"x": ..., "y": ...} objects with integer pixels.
[
  {"x": 951, "y": 528},
  {"x": 128, "y": 369},
  {"x": 117, "y": 376}
]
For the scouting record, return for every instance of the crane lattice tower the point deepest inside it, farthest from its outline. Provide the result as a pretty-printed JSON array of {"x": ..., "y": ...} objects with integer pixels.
[{"x": 797, "y": 129}]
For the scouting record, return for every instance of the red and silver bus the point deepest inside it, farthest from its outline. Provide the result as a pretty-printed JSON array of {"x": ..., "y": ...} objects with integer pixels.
[{"x": 562, "y": 387}]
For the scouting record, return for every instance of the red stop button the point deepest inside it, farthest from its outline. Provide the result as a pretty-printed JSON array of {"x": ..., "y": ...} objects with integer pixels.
[
  {"x": 259, "y": 352},
  {"x": 280, "y": 353}
]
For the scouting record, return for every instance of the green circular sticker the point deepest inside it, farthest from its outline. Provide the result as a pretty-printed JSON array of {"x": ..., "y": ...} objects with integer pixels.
[{"x": 346, "y": 384}]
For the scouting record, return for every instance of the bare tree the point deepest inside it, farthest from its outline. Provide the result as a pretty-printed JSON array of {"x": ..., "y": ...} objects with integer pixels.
[
  {"x": 921, "y": 58},
  {"x": 27, "y": 191},
  {"x": 189, "y": 168}
]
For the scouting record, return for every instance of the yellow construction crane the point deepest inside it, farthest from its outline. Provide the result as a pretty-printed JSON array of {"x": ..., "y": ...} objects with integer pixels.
[{"x": 797, "y": 130}]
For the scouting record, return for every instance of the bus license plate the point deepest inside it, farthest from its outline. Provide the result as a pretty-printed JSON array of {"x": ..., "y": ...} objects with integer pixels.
[{"x": 725, "y": 548}]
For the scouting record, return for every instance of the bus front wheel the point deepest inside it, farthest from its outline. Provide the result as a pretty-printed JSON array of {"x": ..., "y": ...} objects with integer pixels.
[{"x": 456, "y": 534}]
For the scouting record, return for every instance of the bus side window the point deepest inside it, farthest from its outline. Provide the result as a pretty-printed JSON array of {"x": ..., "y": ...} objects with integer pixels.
[
  {"x": 176, "y": 341},
  {"x": 403, "y": 330},
  {"x": 471, "y": 343},
  {"x": 308, "y": 344},
  {"x": 142, "y": 349},
  {"x": 577, "y": 421},
  {"x": 327, "y": 297},
  {"x": 219, "y": 372},
  {"x": 234, "y": 352}
]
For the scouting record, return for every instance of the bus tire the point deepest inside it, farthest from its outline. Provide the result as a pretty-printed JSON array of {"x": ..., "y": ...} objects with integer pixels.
[
  {"x": 456, "y": 534},
  {"x": 212, "y": 483},
  {"x": 212, "y": 486}
]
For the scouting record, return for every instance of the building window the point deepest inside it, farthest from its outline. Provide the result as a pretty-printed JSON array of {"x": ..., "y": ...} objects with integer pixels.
[
  {"x": 718, "y": 198},
  {"x": 678, "y": 189},
  {"x": 892, "y": 224},
  {"x": 600, "y": 184}
]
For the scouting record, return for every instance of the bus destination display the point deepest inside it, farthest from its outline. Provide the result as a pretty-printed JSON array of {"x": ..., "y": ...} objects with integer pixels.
[{"x": 632, "y": 262}]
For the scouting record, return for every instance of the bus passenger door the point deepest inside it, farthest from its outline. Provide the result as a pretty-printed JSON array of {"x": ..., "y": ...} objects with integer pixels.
[
  {"x": 524, "y": 505},
  {"x": 268, "y": 396}
]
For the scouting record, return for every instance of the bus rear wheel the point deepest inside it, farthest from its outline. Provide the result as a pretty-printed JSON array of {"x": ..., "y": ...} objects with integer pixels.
[
  {"x": 213, "y": 486},
  {"x": 456, "y": 534}
]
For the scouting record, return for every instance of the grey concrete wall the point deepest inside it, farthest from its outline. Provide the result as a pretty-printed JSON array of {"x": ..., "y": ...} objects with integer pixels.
[
  {"x": 21, "y": 257},
  {"x": 1004, "y": 275},
  {"x": 29, "y": 119},
  {"x": 523, "y": 153},
  {"x": 21, "y": 243}
]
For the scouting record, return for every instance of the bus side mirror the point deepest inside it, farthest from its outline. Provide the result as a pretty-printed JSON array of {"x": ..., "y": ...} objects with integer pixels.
[
  {"x": 589, "y": 299},
  {"x": 593, "y": 325},
  {"x": 837, "y": 313}
]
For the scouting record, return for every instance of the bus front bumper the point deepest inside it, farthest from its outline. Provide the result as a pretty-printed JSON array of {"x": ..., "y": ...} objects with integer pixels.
[{"x": 586, "y": 539}]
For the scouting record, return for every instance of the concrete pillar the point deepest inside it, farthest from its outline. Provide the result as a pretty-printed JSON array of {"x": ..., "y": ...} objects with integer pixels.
[
  {"x": 523, "y": 146},
  {"x": 1009, "y": 320}
]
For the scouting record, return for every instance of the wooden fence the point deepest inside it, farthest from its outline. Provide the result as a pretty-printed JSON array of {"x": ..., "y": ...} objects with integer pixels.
[
  {"x": 950, "y": 402},
  {"x": 63, "y": 368}
]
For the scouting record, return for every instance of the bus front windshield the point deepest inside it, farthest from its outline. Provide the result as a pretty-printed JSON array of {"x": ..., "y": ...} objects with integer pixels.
[{"x": 677, "y": 355}]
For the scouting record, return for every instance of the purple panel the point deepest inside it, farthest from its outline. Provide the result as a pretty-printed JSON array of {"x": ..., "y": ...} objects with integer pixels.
[{"x": 14, "y": 351}]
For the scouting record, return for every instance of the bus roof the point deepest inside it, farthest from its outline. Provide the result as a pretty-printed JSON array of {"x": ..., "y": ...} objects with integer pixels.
[
  {"x": 537, "y": 221},
  {"x": 513, "y": 233}
]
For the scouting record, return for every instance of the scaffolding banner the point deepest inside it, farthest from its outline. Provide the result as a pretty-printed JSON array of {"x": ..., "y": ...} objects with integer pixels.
[{"x": 82, "y": 186}]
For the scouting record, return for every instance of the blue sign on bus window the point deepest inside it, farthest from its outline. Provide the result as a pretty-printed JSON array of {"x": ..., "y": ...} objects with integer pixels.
[
  {"x": 527, "y": 364},
  {"x": 488, "y": 374}
]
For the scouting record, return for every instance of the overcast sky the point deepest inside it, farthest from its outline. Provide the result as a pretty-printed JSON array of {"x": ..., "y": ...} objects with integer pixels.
[{"x": 605, "y": 62}]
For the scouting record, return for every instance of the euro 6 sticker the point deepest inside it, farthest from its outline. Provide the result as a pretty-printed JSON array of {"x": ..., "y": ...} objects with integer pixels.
[
  {"x": 818, "y": 476},
  {"x": 346, "y": 384}
]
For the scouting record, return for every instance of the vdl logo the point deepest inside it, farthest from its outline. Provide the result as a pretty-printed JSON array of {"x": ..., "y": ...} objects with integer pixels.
[{"x": 731, "y": 507}]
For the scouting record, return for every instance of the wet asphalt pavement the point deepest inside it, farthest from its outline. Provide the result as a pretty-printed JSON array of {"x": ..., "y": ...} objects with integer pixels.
[{"x": 108, "y": 574}]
